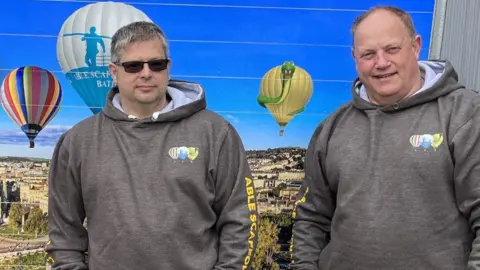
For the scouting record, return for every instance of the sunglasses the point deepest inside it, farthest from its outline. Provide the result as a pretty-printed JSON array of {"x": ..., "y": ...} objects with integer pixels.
[{"x": 137, "y": 66}]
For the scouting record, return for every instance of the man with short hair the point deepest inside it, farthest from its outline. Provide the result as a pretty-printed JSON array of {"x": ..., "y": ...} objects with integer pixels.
[
  {"x": 163, "y": 182},
  {"x": 393, "y": 177}
]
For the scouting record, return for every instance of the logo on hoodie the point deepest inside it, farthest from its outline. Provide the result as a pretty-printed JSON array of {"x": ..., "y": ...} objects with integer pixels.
[
  {"x": 426, "y": 141},
  {"x": 183, "y": 153}
]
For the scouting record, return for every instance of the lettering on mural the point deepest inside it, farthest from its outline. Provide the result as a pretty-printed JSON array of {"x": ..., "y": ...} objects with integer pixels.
[{"x": 102, "y": 78}]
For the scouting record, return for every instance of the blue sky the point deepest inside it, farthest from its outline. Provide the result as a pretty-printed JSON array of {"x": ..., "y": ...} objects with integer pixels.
[{"x": 227, "y": 48}]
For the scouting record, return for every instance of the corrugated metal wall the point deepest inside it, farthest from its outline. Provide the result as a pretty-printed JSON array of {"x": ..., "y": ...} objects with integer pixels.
[{"x": 456, "y": 37}]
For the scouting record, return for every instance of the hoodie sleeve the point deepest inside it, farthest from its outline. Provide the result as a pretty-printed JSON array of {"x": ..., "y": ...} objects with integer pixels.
[
  {"x": 68, "y": 238},
  {"x": 466, "y": 149},
  {"x": 235, "y": 205},
  {"x": 313, "y": 210}
]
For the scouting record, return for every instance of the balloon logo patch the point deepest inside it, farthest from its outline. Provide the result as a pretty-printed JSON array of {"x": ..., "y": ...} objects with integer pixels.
[
  {"x": 426, "y": 141},
  {"x": 183, "y": 153}
]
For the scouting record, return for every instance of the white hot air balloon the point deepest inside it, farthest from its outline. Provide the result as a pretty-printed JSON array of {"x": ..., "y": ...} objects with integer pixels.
[{"x": 83, "y": 47}]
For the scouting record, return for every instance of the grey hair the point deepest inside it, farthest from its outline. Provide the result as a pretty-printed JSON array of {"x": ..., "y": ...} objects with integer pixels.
[
  {"x": 400, "y": 13},
  {"x": 136, "y": 31}
]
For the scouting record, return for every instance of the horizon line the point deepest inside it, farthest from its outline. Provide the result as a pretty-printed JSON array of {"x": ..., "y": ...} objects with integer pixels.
[{"x": 246, "y": 150}]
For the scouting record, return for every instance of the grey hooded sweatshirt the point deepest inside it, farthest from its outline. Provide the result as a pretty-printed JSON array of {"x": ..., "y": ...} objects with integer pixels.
[
  {"x": 394, "y": 187},
  {"x": 170, "y": 192}
]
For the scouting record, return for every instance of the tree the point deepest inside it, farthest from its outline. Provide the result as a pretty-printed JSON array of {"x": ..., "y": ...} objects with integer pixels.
[
  {"x": 281, "y": 220},
  {"x": 31, "y": 261},
  {"x": 16, "y": 216},
  {"x": 267, "y": 246},
  {"x": 276, "y": 190},
  {"x": 36, "y": 222}
]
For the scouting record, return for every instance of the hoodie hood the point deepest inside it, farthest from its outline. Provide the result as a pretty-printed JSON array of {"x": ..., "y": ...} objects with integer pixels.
[
  {"x": 440, "y": 78},
  {"x": 186, "y": 98}
]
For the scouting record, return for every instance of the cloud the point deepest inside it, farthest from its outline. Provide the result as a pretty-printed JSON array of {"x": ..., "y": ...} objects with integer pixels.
[
  {"x": 232, "y": 118},
  {"x": 47, "y": 137}
]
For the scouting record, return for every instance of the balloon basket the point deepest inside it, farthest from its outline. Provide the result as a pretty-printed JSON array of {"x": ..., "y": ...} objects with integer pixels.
[
  {"x": 32, "y": 144},
  {"x": 281, "y": 132}
]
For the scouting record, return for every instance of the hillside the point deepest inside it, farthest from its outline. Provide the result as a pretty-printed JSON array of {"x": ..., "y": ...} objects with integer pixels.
[
  {"x": 277, "y": 159},
  {"x": 22, "y": 159}
]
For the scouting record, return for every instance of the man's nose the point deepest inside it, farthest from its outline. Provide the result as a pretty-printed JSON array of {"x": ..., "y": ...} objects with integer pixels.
[
  {"x": 146, "y": 72},
  {"x": 382, "y": 61}
]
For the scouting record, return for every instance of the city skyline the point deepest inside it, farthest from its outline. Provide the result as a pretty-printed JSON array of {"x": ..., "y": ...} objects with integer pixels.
[{"x": 227, "y": 58}]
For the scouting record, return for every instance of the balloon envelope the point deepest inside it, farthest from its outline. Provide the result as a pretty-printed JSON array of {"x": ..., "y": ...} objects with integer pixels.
[
  {"x": 83, "y": 48},
  {"x": 284, "y": 91},
  {"x": 31, "y": 97}
]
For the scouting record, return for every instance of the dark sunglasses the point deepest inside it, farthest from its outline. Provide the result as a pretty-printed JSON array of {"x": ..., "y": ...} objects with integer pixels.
[{"x": 137, "y": 66}]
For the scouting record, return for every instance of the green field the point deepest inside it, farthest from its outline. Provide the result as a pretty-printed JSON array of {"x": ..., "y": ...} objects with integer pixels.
[{"x": 9, "y": 232}]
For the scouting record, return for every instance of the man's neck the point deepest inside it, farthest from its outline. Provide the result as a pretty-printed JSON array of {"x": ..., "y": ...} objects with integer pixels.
[{"x": 142, "y": 111}]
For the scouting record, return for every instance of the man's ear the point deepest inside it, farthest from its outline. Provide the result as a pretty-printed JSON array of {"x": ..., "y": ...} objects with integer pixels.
[
  {"x": 169, "y": 66},
  {"x": 417, "y": 45},
  {"x": 114, "y": 72}
]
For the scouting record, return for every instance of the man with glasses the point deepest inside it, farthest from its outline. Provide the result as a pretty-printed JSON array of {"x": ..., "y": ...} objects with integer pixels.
[
  {"x": 392, "y": 178},
  {"x": 163, "y": 182}
]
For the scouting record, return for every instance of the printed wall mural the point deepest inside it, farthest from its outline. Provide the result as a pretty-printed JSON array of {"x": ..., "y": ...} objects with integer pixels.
[{"x": 274, "y": 69}]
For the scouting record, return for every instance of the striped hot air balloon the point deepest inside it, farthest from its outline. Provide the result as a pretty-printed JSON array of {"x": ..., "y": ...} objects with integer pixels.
[{"x": 31, "y": 97}]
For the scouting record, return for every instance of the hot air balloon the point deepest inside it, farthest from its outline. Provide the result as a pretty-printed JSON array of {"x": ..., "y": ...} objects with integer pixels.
[
  {"x": 284, "y": 91},
  {"x": 83, "y": 48},
  {"x": 31, "y": 97}
]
